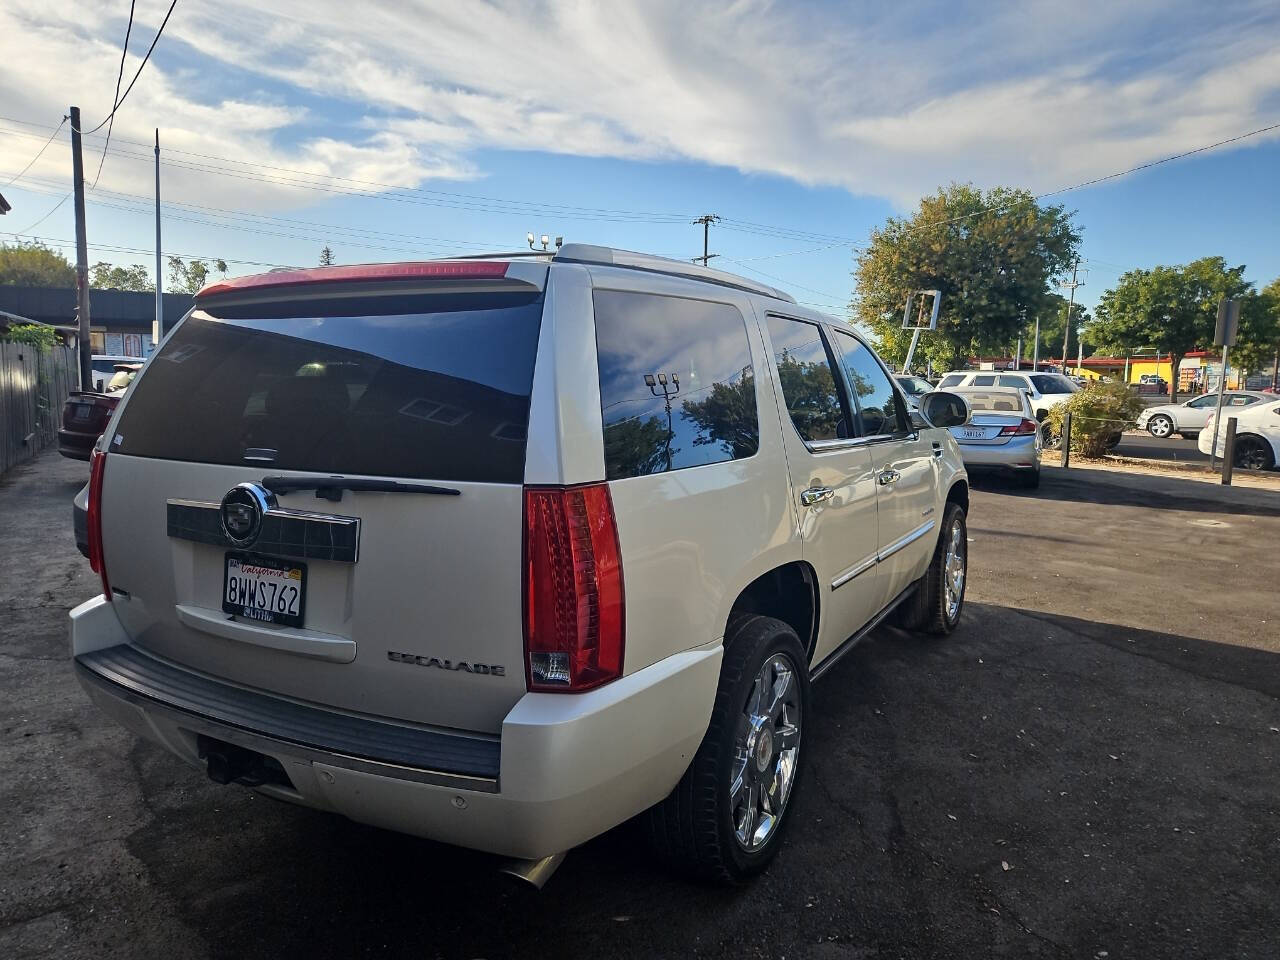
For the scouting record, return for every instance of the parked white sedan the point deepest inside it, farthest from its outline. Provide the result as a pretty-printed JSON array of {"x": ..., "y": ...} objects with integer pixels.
[
  {"x": 1257, "y": 445},
  {"x": 1190, "y": 416}
]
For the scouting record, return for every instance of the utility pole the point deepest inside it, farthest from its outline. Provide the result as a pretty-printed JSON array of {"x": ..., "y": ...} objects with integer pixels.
[
  {"x": 157, "y": 325},
  {"x": 706, "y": 220},
  {"x": 1066, "y": 333},
  {"x": 1035, "y": 351},
  {"x": 82, "y": 254}
]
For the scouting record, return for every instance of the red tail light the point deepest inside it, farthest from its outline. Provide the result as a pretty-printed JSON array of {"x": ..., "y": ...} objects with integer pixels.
[
  {"x": 574, "y": 614},
  {"x": 97, "y": 464},
  {"x": 1027, "y": 428}
]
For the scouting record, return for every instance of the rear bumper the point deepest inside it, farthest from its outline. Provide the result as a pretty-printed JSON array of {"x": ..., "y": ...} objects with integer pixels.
[
  {"x": 565, "y": 768},
  {"x": 77, "y": 446},
  {"x": 1018, "y": 454}
]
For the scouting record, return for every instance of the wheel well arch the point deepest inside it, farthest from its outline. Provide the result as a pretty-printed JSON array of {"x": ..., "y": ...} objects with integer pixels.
[
  {"x": 788, "y": 592},
  {"x": 959, "y": 493}
]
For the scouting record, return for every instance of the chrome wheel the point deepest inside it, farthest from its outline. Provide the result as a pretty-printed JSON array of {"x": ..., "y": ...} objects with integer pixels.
[
  {"x": 766, "y": 751},
  {"x": 953, "y": 569},
  {"x": 1160, "y": 427}
]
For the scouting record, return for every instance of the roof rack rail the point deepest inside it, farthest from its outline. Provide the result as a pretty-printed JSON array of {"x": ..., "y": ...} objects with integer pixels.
[
  {"x": 608, "y": 256},
  {"x": 548, "y": 254}
]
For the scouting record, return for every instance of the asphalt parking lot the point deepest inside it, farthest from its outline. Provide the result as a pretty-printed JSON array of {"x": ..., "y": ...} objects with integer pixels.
[{"x": 1087, "y": 768}]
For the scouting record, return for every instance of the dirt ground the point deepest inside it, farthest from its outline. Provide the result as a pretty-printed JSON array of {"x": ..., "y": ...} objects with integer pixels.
[{"x": 1086, "y": 768}]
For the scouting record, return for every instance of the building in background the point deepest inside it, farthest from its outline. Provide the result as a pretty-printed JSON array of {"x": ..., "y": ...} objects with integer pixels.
[{"x": 119, "y": 320}]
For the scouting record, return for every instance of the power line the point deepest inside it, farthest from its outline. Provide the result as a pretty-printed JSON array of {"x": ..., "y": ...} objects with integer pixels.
[
  {"x": 116, "y": 97},
  {"x": 65, "y": 197},
  {"x": 119, "y": 103},
  {"x": 114, "y": 248},
  {"x": 38, "y": 155}
]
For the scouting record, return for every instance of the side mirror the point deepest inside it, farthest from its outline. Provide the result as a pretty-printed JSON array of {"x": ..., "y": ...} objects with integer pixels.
[{"x": 941, "y": 408}]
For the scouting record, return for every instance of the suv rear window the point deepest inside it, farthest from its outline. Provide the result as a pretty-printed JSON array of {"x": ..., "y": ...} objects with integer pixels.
[
  {"x": 950, "y": 380},
  {"x": 676, "y": 383},
  {"x": 423, "y": 386}
]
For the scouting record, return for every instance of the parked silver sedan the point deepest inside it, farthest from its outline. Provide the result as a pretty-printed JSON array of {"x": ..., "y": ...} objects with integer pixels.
[
  {"x": 1002, "y": 436},
  {"x": 1189, "y": 418}
]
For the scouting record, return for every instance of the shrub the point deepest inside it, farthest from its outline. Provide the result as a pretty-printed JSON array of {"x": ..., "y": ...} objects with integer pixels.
[
  {"x": 1098, "y": 412},
  {"x": 34, "y": 334}
]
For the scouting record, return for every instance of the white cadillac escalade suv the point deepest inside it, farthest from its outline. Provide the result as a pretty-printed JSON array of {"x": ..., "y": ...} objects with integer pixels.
[{"x": 504, "y": 552}]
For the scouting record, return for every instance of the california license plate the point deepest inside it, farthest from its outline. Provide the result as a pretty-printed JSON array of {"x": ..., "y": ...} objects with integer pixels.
[
  {"x": 263, "y": 589},
  {"x": 974, "y": 435}
]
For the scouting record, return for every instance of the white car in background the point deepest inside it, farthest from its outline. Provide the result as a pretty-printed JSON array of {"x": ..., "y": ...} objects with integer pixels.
[
  {"x": 1257, "y": 445},
  {"x": 1045, "y": 390},
  {"x": 1190, "y": 417}
]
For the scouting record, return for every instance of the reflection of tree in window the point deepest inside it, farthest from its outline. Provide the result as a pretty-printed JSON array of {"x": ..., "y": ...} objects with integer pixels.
[
  {"x": 635, "y": 447},
  {"x": 727, "y": 416},
  {"x": 811, "y": 397}
]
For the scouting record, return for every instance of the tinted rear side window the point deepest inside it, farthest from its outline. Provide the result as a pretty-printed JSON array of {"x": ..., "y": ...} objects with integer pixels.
[
  {"x": 676, "y": 384},
  {"x": 951, "y": 380},
  {"x": 422, "y": 387}
]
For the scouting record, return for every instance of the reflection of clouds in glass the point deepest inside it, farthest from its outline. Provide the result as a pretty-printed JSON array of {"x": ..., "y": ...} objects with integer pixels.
[{"x": 704, "y": 345}]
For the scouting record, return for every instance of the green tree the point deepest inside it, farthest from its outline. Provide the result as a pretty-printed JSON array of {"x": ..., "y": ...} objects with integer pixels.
[
  {"x": 34, "y": 265},
  {"x": 105, "y": 276},
  {"x": 1258, "y": 344},
  {"x": 1170, "y": 309},
  {"x": 190, "y": 276},
  {"x": 326, "y": 257},
  {"x": 992, "y": 255}
]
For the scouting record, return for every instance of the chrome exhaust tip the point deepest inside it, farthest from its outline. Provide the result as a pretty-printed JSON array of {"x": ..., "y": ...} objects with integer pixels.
[{"x": 533, "y": 872}]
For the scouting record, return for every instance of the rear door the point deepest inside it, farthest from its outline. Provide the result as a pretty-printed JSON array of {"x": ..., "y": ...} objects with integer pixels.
[
  {"x": 403, "y": 602},
  {"x": 904, "y": 462},
  {"x": 832, "y": 479}
]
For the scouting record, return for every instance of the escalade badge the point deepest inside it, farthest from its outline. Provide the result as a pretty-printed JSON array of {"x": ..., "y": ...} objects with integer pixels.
[
  {"x": 242, "y": 510},
  {"x": 492, "y": 669}
]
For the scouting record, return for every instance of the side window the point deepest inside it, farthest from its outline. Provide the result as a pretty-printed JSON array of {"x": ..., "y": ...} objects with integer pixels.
[
  {"x": 1009, "y": 380},
  {"x": 951, "y": 380},
  {"x": 676, "y": 384},
  {"x": 986, "y": 381},
  {"x": 808, "y": 385},
  {"x": 1208, "y": 400},
  {"x": 878, "y": 405}
]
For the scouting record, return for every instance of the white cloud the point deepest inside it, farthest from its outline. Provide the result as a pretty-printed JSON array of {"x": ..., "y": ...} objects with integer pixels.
[{"x": 889, "y": 102}]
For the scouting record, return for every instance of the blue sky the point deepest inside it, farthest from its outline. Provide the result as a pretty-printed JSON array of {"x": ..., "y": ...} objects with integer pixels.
[{"x": 802, "y": 124}]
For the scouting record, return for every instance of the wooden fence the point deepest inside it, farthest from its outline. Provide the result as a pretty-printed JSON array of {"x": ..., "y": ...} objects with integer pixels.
[{"x": 34, "y": 383}]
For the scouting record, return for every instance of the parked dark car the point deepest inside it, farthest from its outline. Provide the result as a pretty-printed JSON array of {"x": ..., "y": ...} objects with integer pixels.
[
  {"x": 84, "y": 417},
  {"x": 85, "y": 414}
]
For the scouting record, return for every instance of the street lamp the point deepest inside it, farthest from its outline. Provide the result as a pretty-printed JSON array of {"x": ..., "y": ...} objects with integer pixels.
[{"x": 669, "y": 390}]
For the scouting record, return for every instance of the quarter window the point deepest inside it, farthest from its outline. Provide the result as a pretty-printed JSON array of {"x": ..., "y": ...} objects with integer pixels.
[
  {"x": 878, "y": 407},
  {"x": 676, "y": 384},
  {"x": 808, "y": 385}
]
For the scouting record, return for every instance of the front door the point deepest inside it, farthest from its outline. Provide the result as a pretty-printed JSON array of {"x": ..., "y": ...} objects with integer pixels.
[
  {"x": 904, "y": 462},
  {"x": 832, "y": 479}
]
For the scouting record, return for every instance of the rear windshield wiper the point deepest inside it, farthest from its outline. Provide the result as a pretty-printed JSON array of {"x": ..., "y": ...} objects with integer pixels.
[{"x": 330, "y": 488}]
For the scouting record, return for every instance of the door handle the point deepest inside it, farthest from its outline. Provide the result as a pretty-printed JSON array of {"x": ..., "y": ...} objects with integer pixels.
[
  {"x": 816, "y": 495},
  {"x": 937, "y": 450},
  {"x": 889, "y": 476}
]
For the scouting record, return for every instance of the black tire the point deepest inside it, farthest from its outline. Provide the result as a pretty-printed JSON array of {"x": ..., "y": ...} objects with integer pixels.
[
  {"x": 1113, "y": 441},
  {"x": 693, "y": 829},
  {"x": 1160, "y": 426},
  {"x": 1029, "y": 479},
  {"x": 1253, "y": 453},
  {"x": 928, "y": 609}
]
